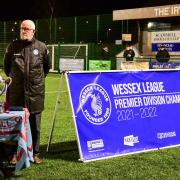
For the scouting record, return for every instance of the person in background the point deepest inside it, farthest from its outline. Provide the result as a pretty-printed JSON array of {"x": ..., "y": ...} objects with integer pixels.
[
  {"x": 27, "y": 62},
  {"x": 162, "y": 54},
  {"x": 105, "y": 53},
  {"x": 129, "y": 53}
]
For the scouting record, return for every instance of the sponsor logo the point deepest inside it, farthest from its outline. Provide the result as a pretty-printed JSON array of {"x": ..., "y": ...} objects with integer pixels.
[
  {"x": 95, "y": 144},
  {"x": 35, "y": 51},
  {"x": 130, "y": 140},
  {"x": 95, "y": 104},
  {"x": 164, "y": 135}
]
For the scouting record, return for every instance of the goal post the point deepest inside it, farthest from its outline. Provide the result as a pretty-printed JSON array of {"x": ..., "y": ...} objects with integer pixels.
[{"x": 68, "y": 57}]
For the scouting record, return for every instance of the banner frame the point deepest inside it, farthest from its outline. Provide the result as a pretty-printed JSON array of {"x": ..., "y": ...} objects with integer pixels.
[{"x": 74, "y": 117}]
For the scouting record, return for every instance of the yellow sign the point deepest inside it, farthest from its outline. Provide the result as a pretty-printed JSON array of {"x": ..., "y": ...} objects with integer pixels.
[{"x": 126, "y": 37}]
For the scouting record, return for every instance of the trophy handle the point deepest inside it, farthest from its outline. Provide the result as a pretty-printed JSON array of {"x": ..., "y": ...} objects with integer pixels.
[{"x": 8, "y": 81}]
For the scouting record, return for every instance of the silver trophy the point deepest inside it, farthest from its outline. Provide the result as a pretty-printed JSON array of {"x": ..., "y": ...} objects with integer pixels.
[{"x": 4, "y": 84}]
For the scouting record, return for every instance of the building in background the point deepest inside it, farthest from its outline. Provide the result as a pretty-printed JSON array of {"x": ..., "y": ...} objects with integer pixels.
[{"x": 100, "y": 29}]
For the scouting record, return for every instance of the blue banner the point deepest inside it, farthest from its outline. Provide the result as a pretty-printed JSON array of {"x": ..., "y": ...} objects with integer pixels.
[
  {"x": 118, "y": 113},
  {"x": 164, "y": 65},
  {"x": 171, "y": 47}
]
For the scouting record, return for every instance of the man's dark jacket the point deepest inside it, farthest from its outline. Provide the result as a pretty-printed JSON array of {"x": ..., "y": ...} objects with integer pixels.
[
  {"x": 129, "y": 54},
  {"x": 27, "y": 63}
]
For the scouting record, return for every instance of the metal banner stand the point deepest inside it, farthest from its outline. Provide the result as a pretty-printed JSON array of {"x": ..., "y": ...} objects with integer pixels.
[
  {"x": 55, "y": 110},
  {"x": 64, "y": 69}
]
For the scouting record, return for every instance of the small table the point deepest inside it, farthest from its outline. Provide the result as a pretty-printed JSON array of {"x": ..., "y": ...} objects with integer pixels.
[{"x": 14, "y": 126}]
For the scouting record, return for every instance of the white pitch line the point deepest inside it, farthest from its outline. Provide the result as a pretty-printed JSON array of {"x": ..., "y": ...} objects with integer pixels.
[
  {"x": 52, "y": 92},
  {"x": 53, "y": 77}
]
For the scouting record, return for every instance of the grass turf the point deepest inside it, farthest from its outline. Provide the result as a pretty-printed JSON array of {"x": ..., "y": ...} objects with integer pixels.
[{"x": 61, "y": 162}]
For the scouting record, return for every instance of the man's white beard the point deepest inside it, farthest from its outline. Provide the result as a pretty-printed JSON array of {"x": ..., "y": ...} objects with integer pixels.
[{"x": 26, "y": 38}]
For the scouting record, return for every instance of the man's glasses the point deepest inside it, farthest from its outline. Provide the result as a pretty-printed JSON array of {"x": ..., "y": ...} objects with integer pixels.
[{"x": 26, "y": 29}]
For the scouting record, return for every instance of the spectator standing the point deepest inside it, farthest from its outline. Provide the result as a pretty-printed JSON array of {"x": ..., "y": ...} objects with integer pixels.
[
  {"x": 162, "y": 54},
  {"x": 105, "y": 53},
  {"x": 129, "y": 53}
]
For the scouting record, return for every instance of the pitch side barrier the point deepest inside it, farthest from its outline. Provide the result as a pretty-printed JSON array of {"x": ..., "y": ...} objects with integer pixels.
[
  {"x": 118, "y": 113},
  {"x": 146, "y": 63}
]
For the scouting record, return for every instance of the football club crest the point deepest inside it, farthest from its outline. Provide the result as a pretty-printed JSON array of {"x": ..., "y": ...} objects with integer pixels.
[
  {"x": 35, "y": 51},
  {"x": 95, "y": 104}
]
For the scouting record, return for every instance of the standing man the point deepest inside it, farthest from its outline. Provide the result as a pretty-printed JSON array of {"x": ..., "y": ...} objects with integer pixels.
[
  {"x": 105, "y": 53},
  {"x": 129, "y": 53},
  {"x": 162, "y": 54},
  {"x": 27, "y": 62}
]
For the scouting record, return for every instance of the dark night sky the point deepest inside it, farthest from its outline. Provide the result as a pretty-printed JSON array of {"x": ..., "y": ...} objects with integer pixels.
[{"x": 34, "y": 9}]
